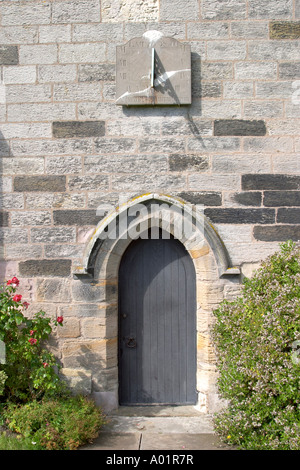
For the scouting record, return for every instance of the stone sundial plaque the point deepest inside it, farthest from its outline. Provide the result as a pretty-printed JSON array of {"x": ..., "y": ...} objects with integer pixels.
[{"x": 153, "y": 70}]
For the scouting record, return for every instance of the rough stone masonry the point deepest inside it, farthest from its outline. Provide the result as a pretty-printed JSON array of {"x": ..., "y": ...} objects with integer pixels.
[{"x": 66, "y": 148}]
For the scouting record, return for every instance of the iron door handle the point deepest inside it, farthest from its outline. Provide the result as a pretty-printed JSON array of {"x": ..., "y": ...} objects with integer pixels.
[{"x": 131, "y": 343}]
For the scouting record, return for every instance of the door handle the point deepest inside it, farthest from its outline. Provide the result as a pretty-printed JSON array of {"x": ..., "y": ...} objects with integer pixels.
[{"x": 131, "y": 343}]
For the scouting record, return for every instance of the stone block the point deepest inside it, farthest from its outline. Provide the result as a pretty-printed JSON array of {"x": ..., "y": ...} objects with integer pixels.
[
  {"x": 57, "y": 73},
  {"x": 4, "y": 219},
  {"x": 70, "y": 328},
  {"x": 64, "y": 251},
  {"x": 213, "y": 144},
  {"x": 261, "y": 9},
  {"x": 206, "y": 198},
  {"x": 96, "y": 72},
  {"x": 284, "y": 29},
  {"x": 207, "y": 30},
  {"x": 55, "y": 200},
  {"x": 9, "y": 55},
  {"x": 28, "y": 93},
  {"x": 25, "y": 218},
  {"x": 98, "y": 32},
  {"x": 5, "y": 184},
  {"x": 19, "y": 34},
  {"x": 243, "y": 163},
  {"x": 255, "y": 70},
  {"x": 216, "y": 70},
  {"x": 53, "y": 290},
  {"x": 63, "y": 165},
  {"x": 288, "y": 215},
  {"x": 77, "y": 92},
  {"x": 206, "y": 182},
  {"x": 146, "y": 182},
  {"x": 38, "y": 54},
  {"x": 250, "y": 30},
  {"x": 36, "y": 112},
  {"x": 226, "y": 50},
  {"x": 239, "y": 127},
  {"x": 240, "y": 216},
  {"x": 262, "y": 107},
  {"x": 228, "y": 109},
  {"x": 76, "y": 11},
  {"x": 78, "y": 380},
  {"x": 277, "y": 233},
  {"x": 228, "y": 9},
  {"x": 297, "y": 9},
  {"x": 235, "y": 233},
  {"x": 279, "y": 89},
  {"x": 90, "y": 354},
  {"x": 28, "y": 13},
  {"x": 270, "y": 182},
  {"x": 45, "y": 267},
  {"x": 52, "y": 147},
  {"x": 76, "y": 217},
  {"x": 289, "y": 70},
  {"x": 82, "y": 53},
  {"x": 152, "y": 144},
  {"x": 284, "y": 127},
  {"x": 206, "y": 90},
  {"x": 23, "y": 130},
  {"x": 84, "y": 310},
  {"x": 85, "y": 291},
  {"x": 178, "y": 162},
  {"x": 39, "y": 183},
  {"x": 251, "y": 198},
  {"x": 17, "y": 252},
  {"x": 268, "y": 144},
  {"x": 55, "y": 33},
  {"x": 53, "y": 234},
  {"x": 173, "y": 10},
  {"x": 129, "y": 11},
  {"x": 22, "y": 74},
  {"x": 273, "y": 50},
  {"x": 68, "y": 129},
  {"x": 124, "y": 164},
  {"x": 91, "y": 182},
  {"x": 7, "y": 201},
  {"x": 114, "y": 145},
  {"x": 234, "y": 89},
  {"x": 281, "y": 198},
  {"x": 93, "y": 328},
  {"x": 18, "y": 235}
]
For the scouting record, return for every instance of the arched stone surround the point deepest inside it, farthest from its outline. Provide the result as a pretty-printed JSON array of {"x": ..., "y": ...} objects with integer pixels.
[{"x": 99, "y": 274}]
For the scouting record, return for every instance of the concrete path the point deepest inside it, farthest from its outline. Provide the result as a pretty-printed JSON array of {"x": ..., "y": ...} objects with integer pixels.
[{"x": 157, "y": 428}]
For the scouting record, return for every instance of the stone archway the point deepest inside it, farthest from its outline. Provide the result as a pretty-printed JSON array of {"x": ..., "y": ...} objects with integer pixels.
[{"x": 101, "y": 264}]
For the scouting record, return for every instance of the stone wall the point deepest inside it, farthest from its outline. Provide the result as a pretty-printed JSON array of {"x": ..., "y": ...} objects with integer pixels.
[{"x": 66, "y": 147}]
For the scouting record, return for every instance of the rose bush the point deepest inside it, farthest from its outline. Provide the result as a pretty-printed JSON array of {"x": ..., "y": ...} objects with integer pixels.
[
  {"x": 31, "y": 370},
  {"x": 259, "y": 368}
]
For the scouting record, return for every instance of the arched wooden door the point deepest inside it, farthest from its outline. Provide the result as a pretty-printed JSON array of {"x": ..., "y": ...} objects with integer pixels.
[{"x": 157, "y": 324}]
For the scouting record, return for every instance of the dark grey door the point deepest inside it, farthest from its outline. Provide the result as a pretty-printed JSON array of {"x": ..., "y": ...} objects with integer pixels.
[{"x": 157, "y": 324}]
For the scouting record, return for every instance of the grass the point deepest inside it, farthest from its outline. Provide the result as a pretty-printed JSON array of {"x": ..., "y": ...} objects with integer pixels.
[{"x": 15, "y": 442}]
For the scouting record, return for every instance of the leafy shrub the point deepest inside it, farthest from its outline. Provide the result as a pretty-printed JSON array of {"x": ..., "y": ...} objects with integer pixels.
[
  {"x": 256, "y": 338},
  {"x": 56, "y": 424},
  {"x": 31, "y": 370},
  {"x": 3, "y": 378}
]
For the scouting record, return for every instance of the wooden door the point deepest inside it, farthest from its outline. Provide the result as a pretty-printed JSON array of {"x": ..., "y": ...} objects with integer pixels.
[{"x": 157, "y": 324}]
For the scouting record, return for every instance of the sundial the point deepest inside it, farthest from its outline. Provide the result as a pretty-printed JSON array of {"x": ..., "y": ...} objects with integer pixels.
[{"x": 153, "y": 70}]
